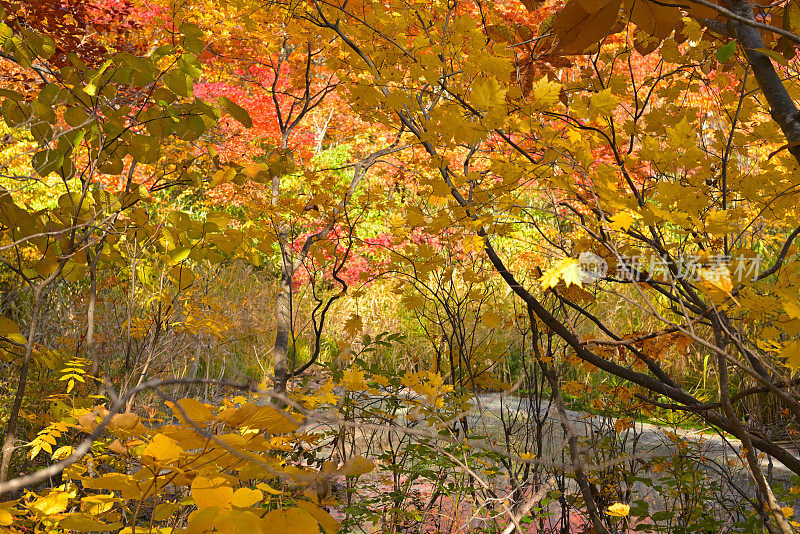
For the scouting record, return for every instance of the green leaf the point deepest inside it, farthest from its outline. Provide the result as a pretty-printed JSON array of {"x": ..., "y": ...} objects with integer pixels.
[
  {"x": 46, "y": 161},
  {"x": 190, "y": 128},
  {"x": 190, "y": 68},
  {"x": 15, "y": 113},
  {"x": 75, "y": 116},
  {"x": 773, "y": 55},
  {"x": 47, "y": 48},
  {"x": 191, "y": 30},
  {"x": 178, "y": 82},
  {"x": 179, "y": 254},
  {"x": 21, "y": 53},
  {"x": 144, "y": 149},
  {"x": 725, "y": 52},
  {"x": 8, "y": 93},
  {"x": 159, "y": 127},
  {"x": 236, "y": 111},
  {"x": 5, "y": 33}
]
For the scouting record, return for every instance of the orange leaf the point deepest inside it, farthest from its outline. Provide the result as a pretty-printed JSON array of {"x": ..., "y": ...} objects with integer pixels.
[
  {"x": 653, "y": 19},
  {"x": 583, "y": 23}
]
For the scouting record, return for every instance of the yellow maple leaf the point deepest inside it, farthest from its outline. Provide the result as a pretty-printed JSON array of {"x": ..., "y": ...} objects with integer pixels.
[
  {"x": 791, "y": 351},
  {"x": 791, "y": 308},
  {"x": 488, "y": 94},
  {"x": 353, "y": 379},
  {"x": 544, "y": 93},
  {"x": 491, "y": 319},
  {"x": 603, "y": 102},
  {"x": 716, "y": 279},
  {"x": 621, "y": 221},
  {"x": 353, "y": 325},
  {"x": 566, "y": 269}
]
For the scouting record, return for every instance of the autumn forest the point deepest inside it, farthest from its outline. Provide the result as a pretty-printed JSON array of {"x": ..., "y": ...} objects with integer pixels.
[{"x": 399, "y": 266}]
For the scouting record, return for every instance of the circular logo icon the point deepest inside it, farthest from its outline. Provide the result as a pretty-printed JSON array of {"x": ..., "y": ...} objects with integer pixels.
[{"x": 592, "y": 266}]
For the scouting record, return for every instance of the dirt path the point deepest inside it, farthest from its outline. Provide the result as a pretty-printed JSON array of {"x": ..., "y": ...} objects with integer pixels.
[{"x": 650, "y": 440}]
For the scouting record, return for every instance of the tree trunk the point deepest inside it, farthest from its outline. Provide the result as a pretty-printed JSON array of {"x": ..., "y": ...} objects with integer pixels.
[
  {"x": 283, "y": 324},
  {"x": 10, "y": 439}
]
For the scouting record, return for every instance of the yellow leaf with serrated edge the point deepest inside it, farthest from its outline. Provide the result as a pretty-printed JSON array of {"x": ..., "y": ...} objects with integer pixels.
[
  {"x": 788, "y": 511},
  {"x": 544, "y": 93},
  {"x": 290, "y": 521},
  {"x": 603, "y": 102},
  {"x": 719, "y": 222},
  {"x": 791, "y": 308},
  {"x": 353, "y": 379},
  {"x": 621, "y": 221},
  {"x": 491, "y": 319},
  {"x": 353, "y": 325},
  {"x": 566, "y": 269},
  {"x": 473, "y": 243},
  {"x": 414, "y": 217},
  {"x": 716, "y": 279},
  {"x": 487, "y": 94},
  {"x": 791, "y": 352}
]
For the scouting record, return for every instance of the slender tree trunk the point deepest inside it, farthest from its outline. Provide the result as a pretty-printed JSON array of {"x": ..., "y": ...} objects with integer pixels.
[
  {"x": 91, "y": 349},
  {"x": 10, "y": 439},
  {"x": 283, "y": 324},
  {"x": 574, "y": 454},
  {"x": 90, "y": 312},
  {"x": 744, "y": 436}
]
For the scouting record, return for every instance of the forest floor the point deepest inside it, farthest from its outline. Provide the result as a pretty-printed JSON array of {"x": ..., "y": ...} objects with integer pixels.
[
  {"x": 506, "y": 423},
  {"x": 645, "y": 440}
]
